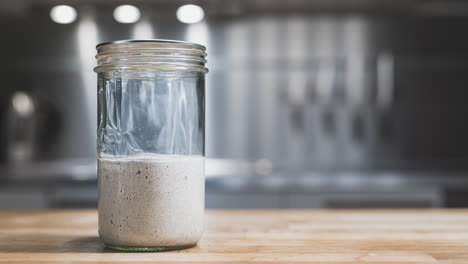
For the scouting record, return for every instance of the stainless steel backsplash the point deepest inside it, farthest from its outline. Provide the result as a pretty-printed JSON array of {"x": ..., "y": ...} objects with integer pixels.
[{"x": 292, "y": 90}]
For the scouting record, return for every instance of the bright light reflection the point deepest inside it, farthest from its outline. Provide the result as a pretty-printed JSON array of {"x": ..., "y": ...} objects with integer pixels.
[
  {"x": 63, "y": 14},
  {"x": 23, "y": 104},
  {"x": 127, "y": 14},
  {"x": 190, "y": 14}
]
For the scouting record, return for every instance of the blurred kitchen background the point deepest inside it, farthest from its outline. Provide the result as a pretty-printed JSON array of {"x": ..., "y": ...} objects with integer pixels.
[{"x": 310, "y": 103}]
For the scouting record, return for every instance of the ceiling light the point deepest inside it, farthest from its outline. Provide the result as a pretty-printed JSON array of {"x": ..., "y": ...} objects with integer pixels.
[
  {"x": 63, "y": 14},
  {"x": 127, "y": 14},
  {"x": 190, "y": 14}
]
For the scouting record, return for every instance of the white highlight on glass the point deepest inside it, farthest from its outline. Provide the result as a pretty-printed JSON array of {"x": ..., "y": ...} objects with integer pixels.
[
  {"x": 63, "y": 14},
  {"x": 190, "y": 14},
  {"x": 127, "y": 14}
]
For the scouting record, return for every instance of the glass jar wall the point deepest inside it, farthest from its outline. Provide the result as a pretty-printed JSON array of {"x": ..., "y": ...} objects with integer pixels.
[{"x": 151, "y": 102}]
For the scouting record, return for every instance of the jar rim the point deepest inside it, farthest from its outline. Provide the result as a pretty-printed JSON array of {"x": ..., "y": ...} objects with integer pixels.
[
  {"x": 156, "y": 54},
  {"x": 168, "y": 41}
]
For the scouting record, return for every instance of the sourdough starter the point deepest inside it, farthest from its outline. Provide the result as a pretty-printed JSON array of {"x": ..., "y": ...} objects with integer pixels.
[{"x": 151, "y": 200}]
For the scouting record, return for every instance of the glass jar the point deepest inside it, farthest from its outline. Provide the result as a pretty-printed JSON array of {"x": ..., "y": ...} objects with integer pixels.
[{"x": 150, "y": 144}]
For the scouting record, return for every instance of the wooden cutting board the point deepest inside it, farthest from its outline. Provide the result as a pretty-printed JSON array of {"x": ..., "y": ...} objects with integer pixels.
[{"x": 253, "y": 236}]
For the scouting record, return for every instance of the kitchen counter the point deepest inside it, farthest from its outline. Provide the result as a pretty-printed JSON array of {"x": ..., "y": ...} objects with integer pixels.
[{"x": 257, "y": 236}]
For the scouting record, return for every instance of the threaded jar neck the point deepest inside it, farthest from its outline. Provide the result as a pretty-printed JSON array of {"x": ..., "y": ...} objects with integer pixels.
[{"x": 155, "y": 54}]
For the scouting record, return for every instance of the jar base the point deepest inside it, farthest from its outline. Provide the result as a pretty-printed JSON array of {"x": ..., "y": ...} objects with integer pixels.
[{"x": 149, "y": 249}]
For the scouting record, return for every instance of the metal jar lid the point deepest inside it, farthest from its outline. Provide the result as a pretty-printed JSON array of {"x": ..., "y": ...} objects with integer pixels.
[{"x": 153, "y": 54}]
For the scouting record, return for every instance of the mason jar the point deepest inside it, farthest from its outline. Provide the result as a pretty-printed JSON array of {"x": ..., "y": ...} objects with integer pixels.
[{"x": 150, "y": 144}]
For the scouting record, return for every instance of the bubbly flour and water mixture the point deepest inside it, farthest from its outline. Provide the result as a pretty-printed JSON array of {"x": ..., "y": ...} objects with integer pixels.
[{"x": 151, "y": 200}]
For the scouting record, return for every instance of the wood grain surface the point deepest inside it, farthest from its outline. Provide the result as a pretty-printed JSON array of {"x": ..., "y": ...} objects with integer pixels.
[{"x": 252, "y": 236}]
